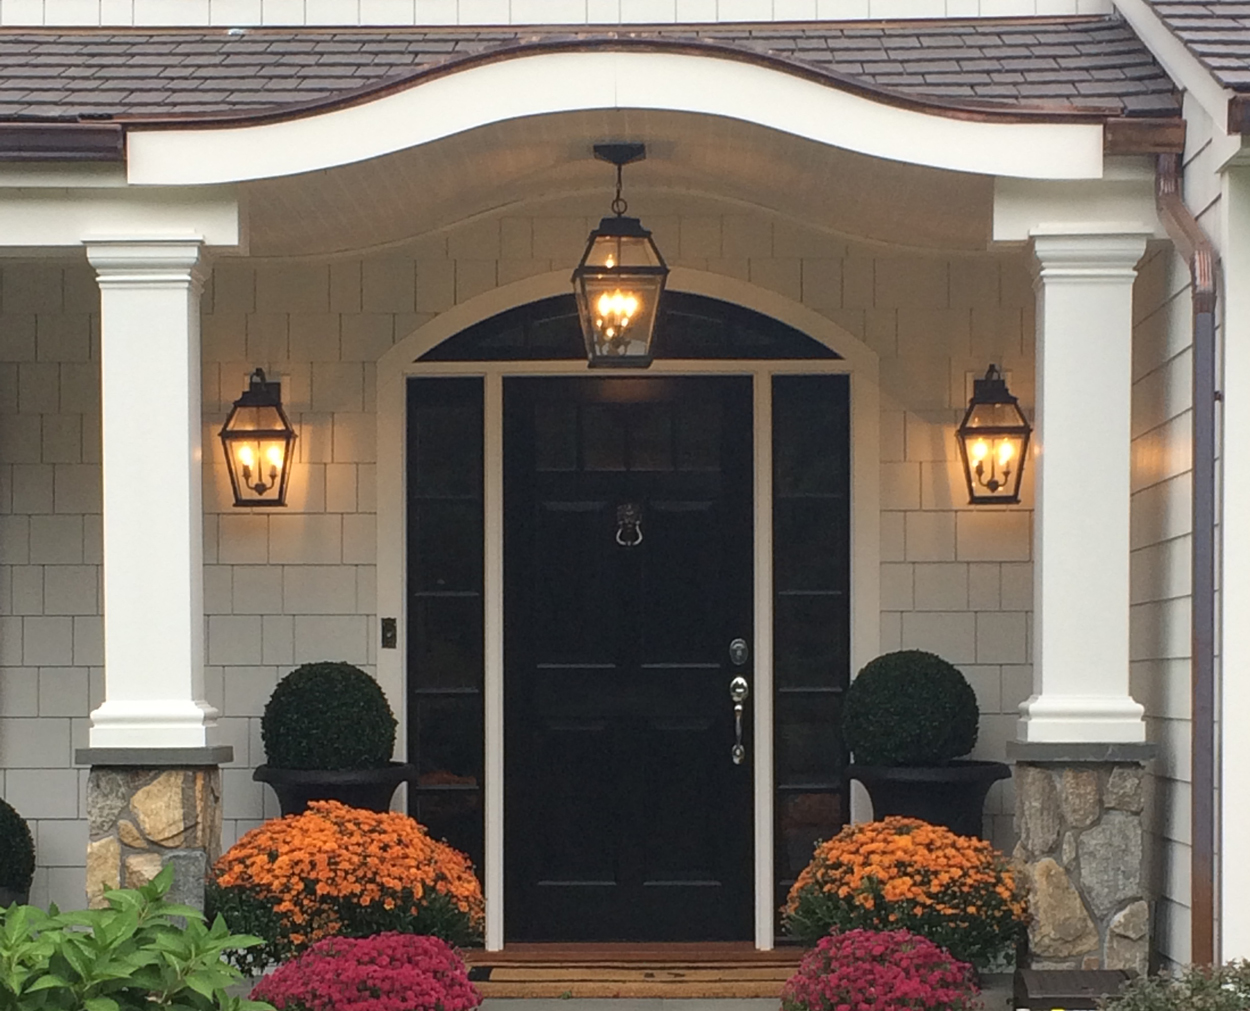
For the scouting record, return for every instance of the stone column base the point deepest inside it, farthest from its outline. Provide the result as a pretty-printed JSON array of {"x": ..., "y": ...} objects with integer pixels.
[
  {"x": 1079, "y": 819},
  {"x": 142, "y": 817}
]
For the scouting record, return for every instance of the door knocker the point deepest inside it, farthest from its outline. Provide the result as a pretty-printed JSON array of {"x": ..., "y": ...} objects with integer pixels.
[{"x": 629, "y": 525}]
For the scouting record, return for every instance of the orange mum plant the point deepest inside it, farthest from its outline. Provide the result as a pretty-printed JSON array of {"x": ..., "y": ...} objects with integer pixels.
[
  {"x": 905, "y": 874},
  {"x": 338, "y": 870}
]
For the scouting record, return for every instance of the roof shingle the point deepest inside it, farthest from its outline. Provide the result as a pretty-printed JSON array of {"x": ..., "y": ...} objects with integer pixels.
[
  {"x": 1215, "y": 31},
  {"x": 1054, "y": 63}
]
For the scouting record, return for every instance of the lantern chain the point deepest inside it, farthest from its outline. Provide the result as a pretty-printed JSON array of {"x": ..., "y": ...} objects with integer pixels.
[{"x": 619, "y": 206}]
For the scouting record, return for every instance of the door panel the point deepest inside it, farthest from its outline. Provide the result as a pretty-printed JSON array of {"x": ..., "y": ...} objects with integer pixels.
[{"x": 625, "y": 818}]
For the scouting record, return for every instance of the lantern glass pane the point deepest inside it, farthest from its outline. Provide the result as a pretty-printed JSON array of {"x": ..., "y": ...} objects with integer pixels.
[
  {"x": 618, "y": 314},
  {"x": 613, "y": 251},
  {"x": 995, "y": 416},
  {"x": 994, "y": 463},
  {"x": 258, "y": 467},
  {"x": 256, "y": 419}
]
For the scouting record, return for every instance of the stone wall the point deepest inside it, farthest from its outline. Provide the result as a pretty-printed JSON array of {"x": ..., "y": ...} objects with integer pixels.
[
  {"x": 1081, "y": 839},
  {"x": 142, "y": 819}
]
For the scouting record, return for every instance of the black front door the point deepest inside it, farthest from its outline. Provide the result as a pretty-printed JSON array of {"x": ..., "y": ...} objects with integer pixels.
[{"x": 628, "y": 568}]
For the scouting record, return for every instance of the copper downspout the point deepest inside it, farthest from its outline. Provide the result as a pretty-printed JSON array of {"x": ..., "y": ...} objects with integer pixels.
[{"x": 1193, "y": 244}]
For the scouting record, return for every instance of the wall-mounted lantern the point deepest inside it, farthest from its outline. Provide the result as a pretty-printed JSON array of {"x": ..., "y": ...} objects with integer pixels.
[
  {"x": 620, "y": 279},
  {"x": 993, "y": 439},
  {"x": 257, "y": 438}
]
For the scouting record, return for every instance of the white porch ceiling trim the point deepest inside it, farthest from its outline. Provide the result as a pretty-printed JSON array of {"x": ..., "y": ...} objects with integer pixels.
[
  {"x": 1121, "y": 203},
  {"x": 41, "y": 216},
  {"x": 549, "y": 83}
]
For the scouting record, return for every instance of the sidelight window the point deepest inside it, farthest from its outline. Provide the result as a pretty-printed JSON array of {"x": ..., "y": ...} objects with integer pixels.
[{"x": 811, "y": 612}]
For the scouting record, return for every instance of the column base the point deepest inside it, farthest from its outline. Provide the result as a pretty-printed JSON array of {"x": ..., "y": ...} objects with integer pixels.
[
  {"x": 1061, "y": 719},
  {"x": 152, "y": 723},
  {"x": 1079, "y": 811},
  {"x": 142, "y": 818}
]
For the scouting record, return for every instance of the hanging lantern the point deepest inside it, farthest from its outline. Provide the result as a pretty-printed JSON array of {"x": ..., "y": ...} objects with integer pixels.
[
  {"x": 993, "y": 438},
  {"x": 257, "y": 438},
  {"x": 620, "y": 279}
]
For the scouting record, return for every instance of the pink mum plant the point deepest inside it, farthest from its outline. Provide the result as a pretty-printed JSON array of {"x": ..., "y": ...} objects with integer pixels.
[
  {"x": 869, "y": 970},
  {"x": 386, "y": 972}
]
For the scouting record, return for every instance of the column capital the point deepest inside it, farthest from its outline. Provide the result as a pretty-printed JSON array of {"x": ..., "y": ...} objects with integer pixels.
[
  {"x": 147, "y": 262},
  {"x": 1098, "y": 257}
]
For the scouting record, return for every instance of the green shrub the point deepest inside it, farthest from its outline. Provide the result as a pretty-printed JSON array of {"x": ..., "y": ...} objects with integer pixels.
[
  {"x": 1198, "y": 988},
  {"x": 328, "y": 716},
  {"x": 17, "y": 850},
  {"x": 131, "y": 956},
  {"x": 909, "y": 708}
]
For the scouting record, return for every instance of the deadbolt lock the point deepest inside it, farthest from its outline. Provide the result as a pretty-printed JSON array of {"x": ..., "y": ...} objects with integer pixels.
[{"x": 739, "y": 652}]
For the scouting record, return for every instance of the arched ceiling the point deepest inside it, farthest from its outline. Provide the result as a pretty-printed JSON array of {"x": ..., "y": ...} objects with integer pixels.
[{"x": 506, "y": 167}]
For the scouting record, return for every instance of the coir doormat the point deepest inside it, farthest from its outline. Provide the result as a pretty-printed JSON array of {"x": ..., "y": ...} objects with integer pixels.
[{"x": 624, "y": 973}]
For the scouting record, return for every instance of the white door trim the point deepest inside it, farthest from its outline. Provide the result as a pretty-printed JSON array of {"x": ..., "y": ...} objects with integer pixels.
[
  {"x": 858, "y": 361},
  {"x": 765, "y": 863}
]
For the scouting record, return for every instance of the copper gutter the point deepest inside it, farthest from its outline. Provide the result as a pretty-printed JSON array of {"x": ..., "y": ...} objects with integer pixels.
[
  {"x": 1199, "y": 252},
  {"x": 63, "y": 141}
]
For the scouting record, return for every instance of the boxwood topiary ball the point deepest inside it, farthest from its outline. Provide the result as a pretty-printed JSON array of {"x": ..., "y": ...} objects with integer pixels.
[
  {"x": 328, "y": 716},
  {"x": 909, "y": 708},
  {"x": 17, "y": 850}
]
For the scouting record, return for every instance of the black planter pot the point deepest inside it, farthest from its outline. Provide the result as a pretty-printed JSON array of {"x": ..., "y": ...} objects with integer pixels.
[
  {"x": 8, "y": 896},
  {"x": 951, "y": 795},
  {"x": 370, "y": 789}
]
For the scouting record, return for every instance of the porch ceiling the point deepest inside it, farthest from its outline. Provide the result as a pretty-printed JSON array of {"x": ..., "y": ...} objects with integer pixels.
[{"x": 545, "y": 161}]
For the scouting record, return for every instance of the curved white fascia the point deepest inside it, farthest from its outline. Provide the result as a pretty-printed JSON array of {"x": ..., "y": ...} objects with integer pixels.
[{"x": 555, "y": 82}]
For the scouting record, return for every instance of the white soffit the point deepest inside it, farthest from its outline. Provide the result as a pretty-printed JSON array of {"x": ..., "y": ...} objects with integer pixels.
[
  {"x": 50, "y": 216},
  {"x": 1121, "y": 203},
  {"x": 563, "y": 82}
]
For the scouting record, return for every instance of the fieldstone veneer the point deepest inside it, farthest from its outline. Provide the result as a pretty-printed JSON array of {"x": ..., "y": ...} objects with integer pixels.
[
  {"x": 143, "y": 817},
  {"x": 1079, "y": 820}
]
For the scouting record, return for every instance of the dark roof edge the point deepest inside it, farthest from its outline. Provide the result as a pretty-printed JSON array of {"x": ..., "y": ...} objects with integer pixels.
[
  {"x": 1157, "y": 132},
  {"x": 97, "y": 142},
  {"x": 613, "y": 42}
]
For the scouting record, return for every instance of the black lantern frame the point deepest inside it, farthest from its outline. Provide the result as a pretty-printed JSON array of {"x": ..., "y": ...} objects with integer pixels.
[
  {"x": 993, "y": 442},
  {"x": 257, "y": 438},
  {"x": 619, "y": 280}
]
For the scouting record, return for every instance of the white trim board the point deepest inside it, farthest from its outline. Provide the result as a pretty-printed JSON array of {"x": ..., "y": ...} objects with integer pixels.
[
  {"x": 858, "y": 361},
  {"x": 388, "y": 13},
  {"x": 548, "y": 83}
]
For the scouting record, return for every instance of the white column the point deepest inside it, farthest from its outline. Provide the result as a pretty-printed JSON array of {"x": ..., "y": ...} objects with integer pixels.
[
  {"x": 1234, "y": 743},
  {"x": 153, "y": 517},
  {"x": 1084, "y": 288}
]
